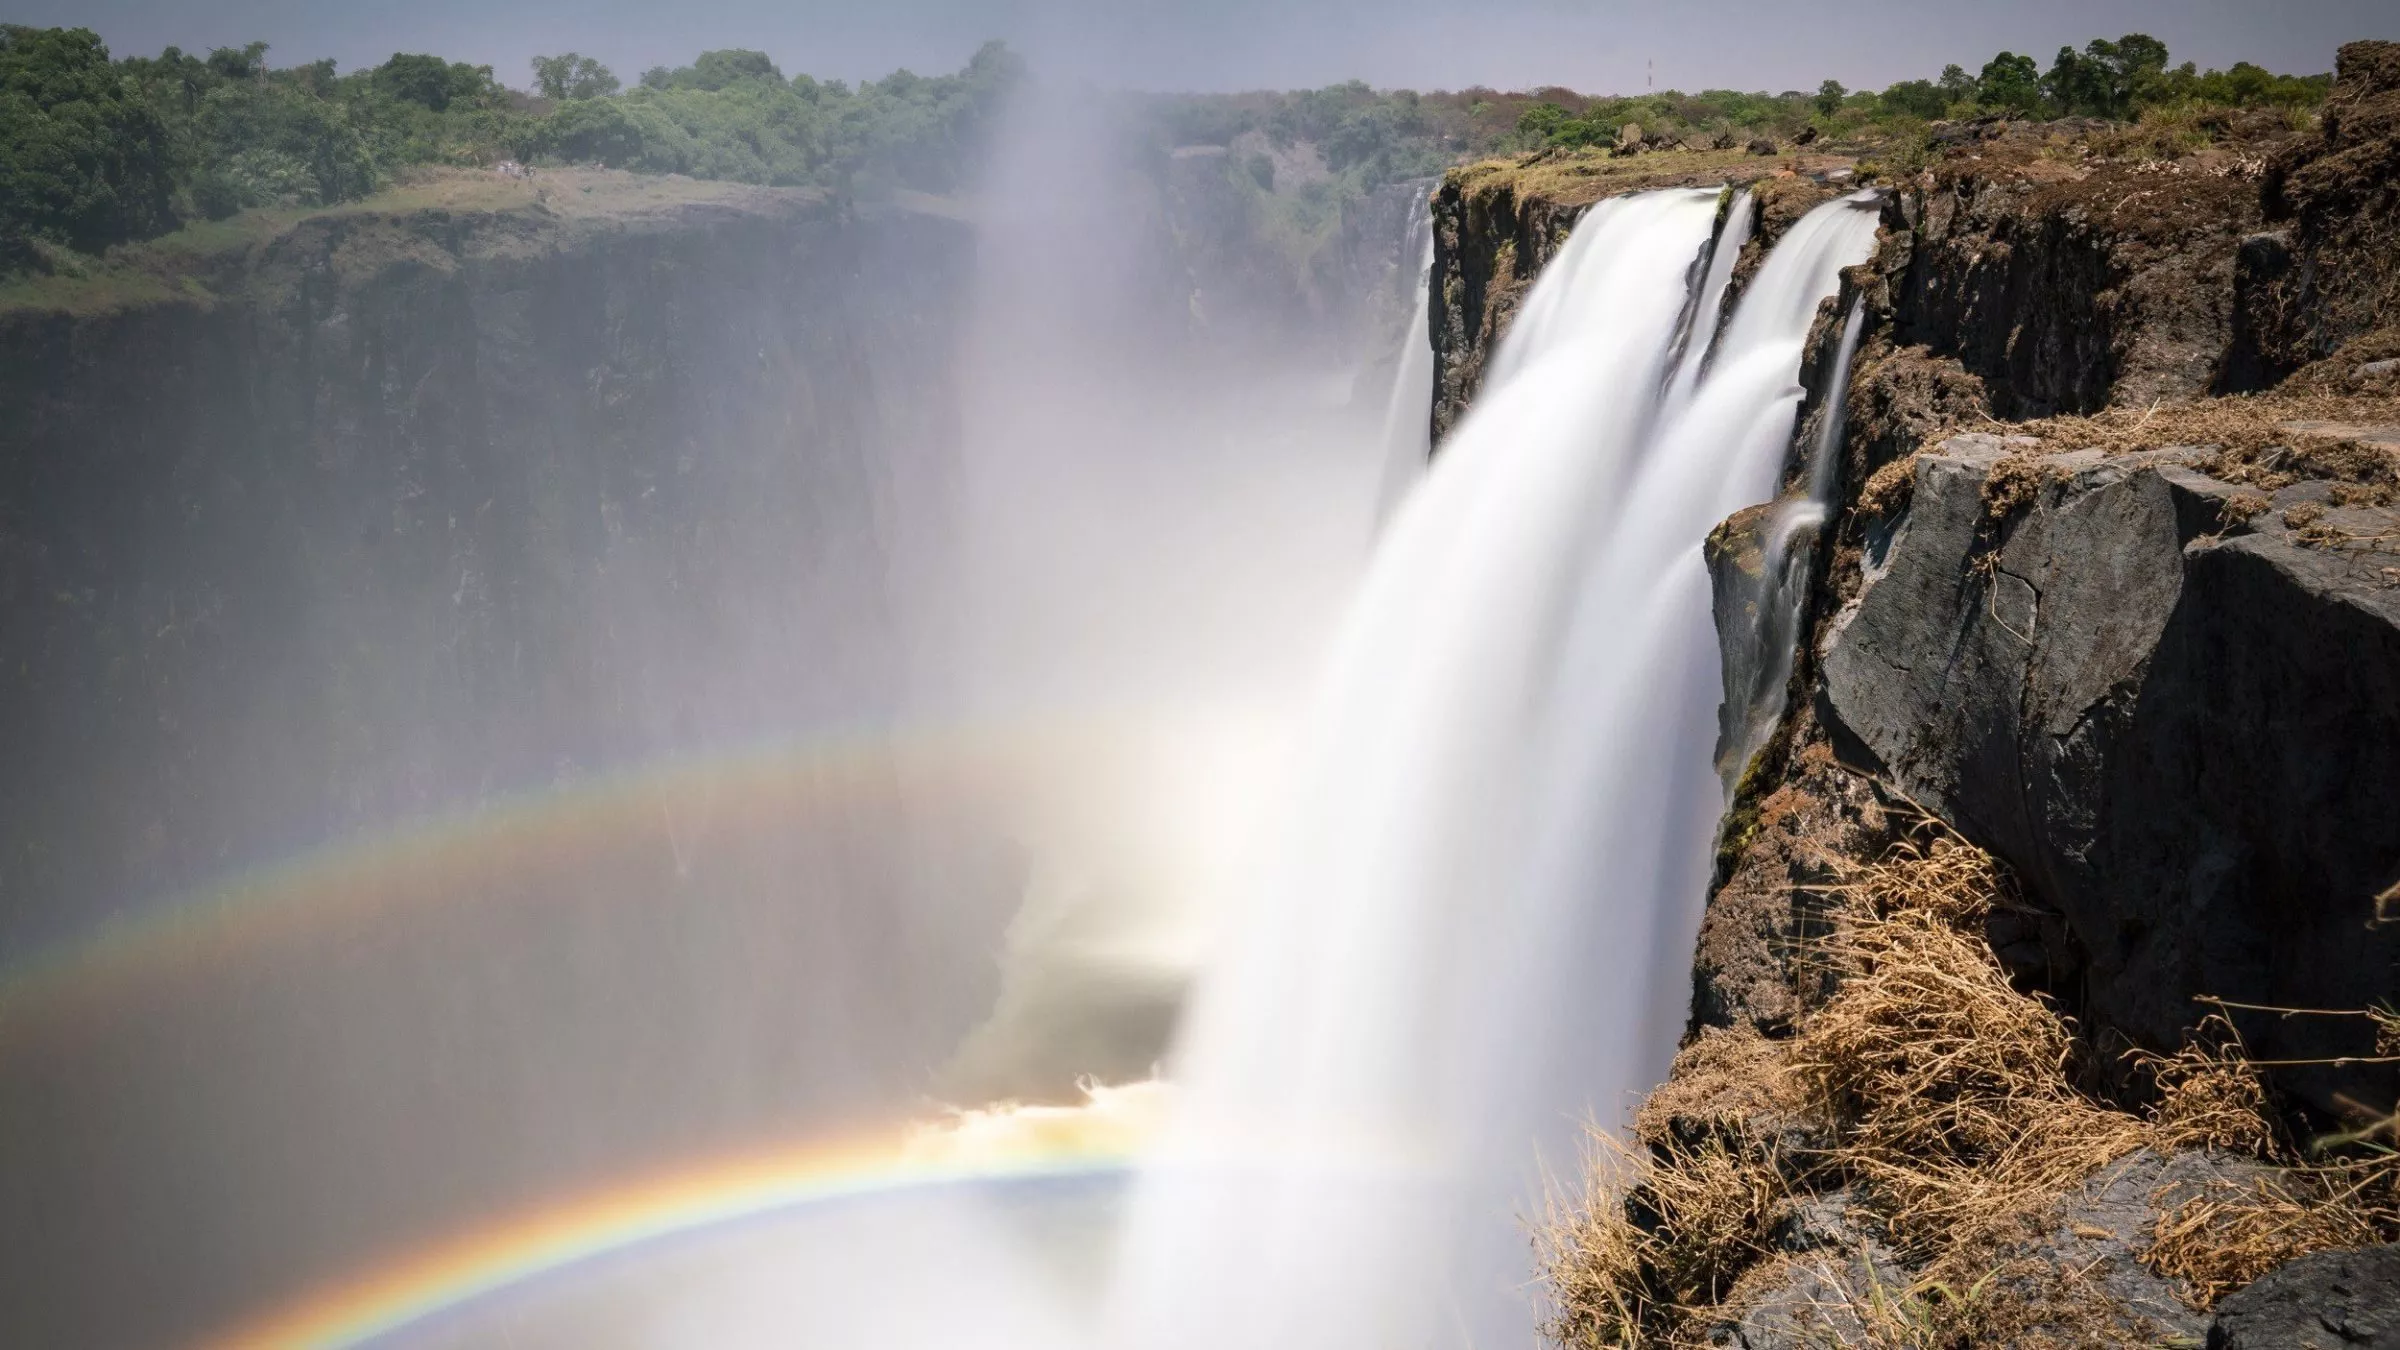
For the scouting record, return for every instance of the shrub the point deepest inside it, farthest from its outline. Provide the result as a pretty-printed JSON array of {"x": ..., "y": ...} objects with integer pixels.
[{"x": 84, "y": 161}]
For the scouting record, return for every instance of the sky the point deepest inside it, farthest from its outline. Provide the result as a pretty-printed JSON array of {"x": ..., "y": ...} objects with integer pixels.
[{"x": 1597, "y": 46}]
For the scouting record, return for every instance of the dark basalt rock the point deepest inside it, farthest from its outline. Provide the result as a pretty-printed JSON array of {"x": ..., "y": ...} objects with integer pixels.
[
  {"x": 2100, "y": 1232},
  {"x": 1833, "y": 1268},
  {"x": 2182, "y": 734},
  {"x": 2328, "y": 276},
  {"x": 2338, "y": 1300},
  {"x": 1488, "y": 248}
]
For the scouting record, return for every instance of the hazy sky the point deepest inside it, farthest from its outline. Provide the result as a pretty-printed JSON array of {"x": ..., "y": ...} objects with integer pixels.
[{"x": 1593, "y": 45}]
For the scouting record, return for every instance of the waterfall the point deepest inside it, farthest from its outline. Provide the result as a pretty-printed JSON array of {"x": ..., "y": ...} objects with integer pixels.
[
  {"x": 1408, "y": 414},
  {"x": 1477, "y": 934},
  {"x": 1756, "y": 673}
]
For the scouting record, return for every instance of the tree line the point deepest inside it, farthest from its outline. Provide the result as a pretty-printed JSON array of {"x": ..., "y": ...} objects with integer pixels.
[
  {"x": 2119, "y": 80},
  {"x": 97, "y": 151}
]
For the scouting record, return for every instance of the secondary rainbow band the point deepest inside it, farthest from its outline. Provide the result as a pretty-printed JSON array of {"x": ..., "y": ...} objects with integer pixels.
[
  {"x": 640, "y": 1212},
  {"x": 352, "y": 876}
]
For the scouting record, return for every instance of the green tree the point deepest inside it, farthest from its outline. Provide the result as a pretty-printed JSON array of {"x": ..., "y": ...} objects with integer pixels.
[
  {"x": 1542, "y": 119},
  {"x": 713, "y": 71},
  {"x": 1956, "y": 84},
  {"x": 418, "y": 79},
  {"x": 572, "y": 76},
  {"x": 596, "y": 131},
  {"x": 2010, "y": 83},
  {"x": 1917, "y": 98},
  {"x": 2107, "y": 79},
  {"x": 272, "y": 141},
  {"x": 84, "y": 160},
  {"x": 1829, "y": 97},
  {"x": 239, "y": 63}
]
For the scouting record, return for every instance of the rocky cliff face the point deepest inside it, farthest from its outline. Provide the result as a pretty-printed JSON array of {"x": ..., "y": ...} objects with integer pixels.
[
  {"x": 1495, "y": 226},
  {"x": 2134, "y": 638},
  {"x": 2326, "y": 274},
  {"x": 2178, "y": 721},
  {"x": 531, "y": 513},
  {"x": 2167, "y": 696},
  {"x": 335, "y": 548}
]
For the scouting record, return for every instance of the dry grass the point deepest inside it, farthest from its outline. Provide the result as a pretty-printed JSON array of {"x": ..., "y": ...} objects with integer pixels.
[
  {"x": 2342, "y": 1191},
  {"x": 1889, "y": 488},
  {"x": 1946, "y": 1101},
  {"x": 2162, "y": 133},
  {"x": 2209, "y": 1095},
  {"x": 1578, "y": 177},
  {"x": 2230, "y": 1234},
  {"x": 1667, "y": 1223},
  {"x": 1660, "y": 1236},
  {"x": 2253, "y": 444},
  {"x": 1954, "y": 1092},
  {"x": 2012, "y": 485}
]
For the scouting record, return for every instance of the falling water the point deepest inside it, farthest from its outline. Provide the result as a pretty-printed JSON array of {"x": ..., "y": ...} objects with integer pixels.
[
  {"x": 1476, "y": 935},
  {"x": 1407, "y": 416}
]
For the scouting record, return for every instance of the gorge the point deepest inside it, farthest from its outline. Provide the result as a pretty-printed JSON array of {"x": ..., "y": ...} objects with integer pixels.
[{"x": 591, "y": 677}]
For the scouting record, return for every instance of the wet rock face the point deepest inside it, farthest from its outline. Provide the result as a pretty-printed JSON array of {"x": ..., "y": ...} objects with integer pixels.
[
  {"x": 2339, "y": 1300},
  {"x": 388, "y": 482},
  {"x": 1488, "y": 248},
  {"x": 2181, "y": 733}
]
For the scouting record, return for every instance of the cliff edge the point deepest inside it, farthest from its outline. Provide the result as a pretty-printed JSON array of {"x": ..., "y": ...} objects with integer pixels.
[{"x": 2044, "y": 993}]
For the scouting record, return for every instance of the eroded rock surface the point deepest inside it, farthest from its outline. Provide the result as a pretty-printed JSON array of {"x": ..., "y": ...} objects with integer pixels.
[
  {"x": 2181, "y": 730},
  {"x": 2339, "y": 1300},
  {"x": 2326, "y": 270}
]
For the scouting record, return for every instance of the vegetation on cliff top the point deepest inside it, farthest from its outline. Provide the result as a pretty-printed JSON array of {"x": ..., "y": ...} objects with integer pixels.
[
  {"x": 1948, "y": 1119},
  {"x": 2117, "y": 80},
  {"x": 96, "y": 151}
]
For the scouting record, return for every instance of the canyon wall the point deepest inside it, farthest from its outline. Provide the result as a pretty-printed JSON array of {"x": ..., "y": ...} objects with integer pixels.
[
  {"x": 2131, "y": 635},
  {"x": 439, "y": 647},
  {"x": 368, "y": 535}
]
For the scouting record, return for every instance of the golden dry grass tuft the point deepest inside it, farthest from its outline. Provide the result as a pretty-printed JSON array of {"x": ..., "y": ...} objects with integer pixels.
[
  {"x": 1660, "y": 1236},
  {"x": 1952, "y": 1091},
  {"x": 2209, "y": 1095},
  {"x": 1667, "y": 1222},
  {"x": 1946, "y": 1102},
  {"x": 2252, "y": 437},
  {"x": 1889, "y": 488},
  {"x": 2341, "y": 1191},
  {"x": 2231, "y": 1233}
]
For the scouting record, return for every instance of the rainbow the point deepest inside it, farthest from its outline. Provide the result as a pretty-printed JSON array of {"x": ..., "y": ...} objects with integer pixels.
[
  {"x": 1099, "y": 1139},
  {"x": 427, "y": 860}
]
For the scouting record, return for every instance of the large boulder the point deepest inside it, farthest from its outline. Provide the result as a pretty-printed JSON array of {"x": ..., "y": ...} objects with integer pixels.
[
  {"x": 2338, "y": 1300},
  {"x": 2179, "y": 723}
]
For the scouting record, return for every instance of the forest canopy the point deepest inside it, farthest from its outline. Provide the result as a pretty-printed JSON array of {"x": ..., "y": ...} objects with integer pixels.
[
  {"x": 2119, "y": 80},
  {"x": 96, "y": 150}
]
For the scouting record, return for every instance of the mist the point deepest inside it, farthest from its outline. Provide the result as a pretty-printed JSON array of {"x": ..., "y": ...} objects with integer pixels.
[
  {"x": 606, "y": 756},
  {"x": 1163, "y": 492},
  {"x": 863, "y": 727}
]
